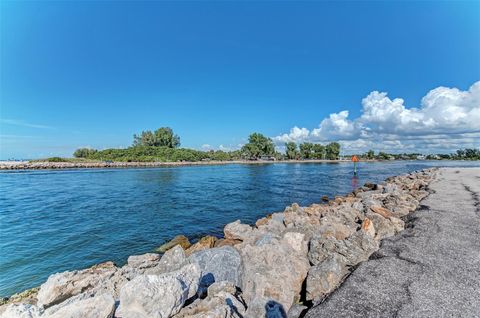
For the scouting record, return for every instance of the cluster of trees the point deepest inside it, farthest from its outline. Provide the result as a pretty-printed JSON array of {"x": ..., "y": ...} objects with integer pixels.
[
  {"x": 461, "y": 154},
  {"x": 163, "y": 145},
  {"x": 162, "y": 137},
  {"x": 466, "y": 154},
  {"x": 309, "y": 150}
]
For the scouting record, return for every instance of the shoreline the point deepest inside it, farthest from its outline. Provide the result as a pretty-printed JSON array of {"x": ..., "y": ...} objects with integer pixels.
[
  {"x": 317, "y": 246},
  {"x": 40, "y": 165}
]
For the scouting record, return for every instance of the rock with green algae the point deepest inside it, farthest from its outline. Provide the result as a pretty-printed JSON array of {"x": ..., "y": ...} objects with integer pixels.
[{"x": 181, "y": 240}]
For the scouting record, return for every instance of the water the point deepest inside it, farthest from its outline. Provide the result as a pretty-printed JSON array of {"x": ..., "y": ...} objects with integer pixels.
[{"x": 52, "y": 221}]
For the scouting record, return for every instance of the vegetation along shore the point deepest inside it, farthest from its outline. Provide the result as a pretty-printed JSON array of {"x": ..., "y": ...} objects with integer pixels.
[
  {"x": 285, "y": 263},
  {"x": 162, "y": 148}
]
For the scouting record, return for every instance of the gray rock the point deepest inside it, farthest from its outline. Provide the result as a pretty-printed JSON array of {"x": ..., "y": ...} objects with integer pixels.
[
  {"x": 237, "y": 231},
  {"x": 154, "y": 296},
  {"x": 355, "y": 249},
  {"x": 61, "y": 286},
  {"x": 218, "y": 264},
  {"x": 296, "y": 311},
  {"x": 99, "y": 306},
  {"x": 219, "y": 305},
  {"x": 173, "y": 259},
  {"x": 323, "y": 278},
  {"x": 274, "y": 271},
  {"x": 143, "y": 261},
  {"x": 158, "y": 296},
  {"x": 265, "y": 307},
  {"x": 385, "y": 227}
]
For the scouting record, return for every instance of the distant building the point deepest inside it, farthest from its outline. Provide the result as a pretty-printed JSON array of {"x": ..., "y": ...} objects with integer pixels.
[{"x": 267, "y": 158}]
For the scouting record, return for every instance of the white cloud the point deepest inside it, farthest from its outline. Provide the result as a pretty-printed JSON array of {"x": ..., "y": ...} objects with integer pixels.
[
  {"x": 206, "y": 147},
  {"x": 22, "y": 123},
  {"x": 447, "y": 118}
]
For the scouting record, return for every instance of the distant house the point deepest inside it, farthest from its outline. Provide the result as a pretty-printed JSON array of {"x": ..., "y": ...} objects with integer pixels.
[
  {"x": 421, "y": 157},
  {"x": 267, "y": 158}
]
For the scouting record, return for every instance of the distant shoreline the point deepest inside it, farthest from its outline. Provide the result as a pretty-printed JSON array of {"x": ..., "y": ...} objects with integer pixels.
[{"x": 39, "y": 165}]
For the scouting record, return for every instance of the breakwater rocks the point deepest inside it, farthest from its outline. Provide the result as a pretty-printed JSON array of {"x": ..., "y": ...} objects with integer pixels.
[
  {"x": 279, "y": 267},
  {"x": 39, "y": 165}
]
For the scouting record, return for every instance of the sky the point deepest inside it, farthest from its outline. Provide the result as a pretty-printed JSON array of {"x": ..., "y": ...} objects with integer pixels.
[{"x": 390, "y": 76}]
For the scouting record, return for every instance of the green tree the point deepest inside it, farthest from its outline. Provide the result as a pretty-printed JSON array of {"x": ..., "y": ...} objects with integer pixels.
[
  {"x": 84, "y": 152},
  {"x": 318, "y": 151},
  {"x": 291, "y": 150},
  {"x": 370, "y": 154},
  {"x": 258, "y": 145},
  {"x": 383, "y": 156},
  {"x": 332, "y": 150},
  {"x": 162, "y": 137},
  {"x": 306, "y": 150}
]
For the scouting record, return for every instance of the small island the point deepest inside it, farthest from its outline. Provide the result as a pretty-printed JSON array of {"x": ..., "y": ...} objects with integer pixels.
[{"x": 162, "y": 148}]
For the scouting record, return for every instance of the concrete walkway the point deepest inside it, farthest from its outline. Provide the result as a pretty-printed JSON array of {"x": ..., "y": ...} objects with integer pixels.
[{"x": 432, "y": 269}]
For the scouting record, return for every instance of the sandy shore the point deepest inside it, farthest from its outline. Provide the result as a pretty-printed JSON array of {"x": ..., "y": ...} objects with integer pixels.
[{"x": 25, "y": 165}]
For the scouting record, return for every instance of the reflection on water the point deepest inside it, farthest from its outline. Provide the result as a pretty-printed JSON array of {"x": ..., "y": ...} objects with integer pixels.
[
  {"x": 54, "y": 221},
  {"x": 354, "y": 182}
]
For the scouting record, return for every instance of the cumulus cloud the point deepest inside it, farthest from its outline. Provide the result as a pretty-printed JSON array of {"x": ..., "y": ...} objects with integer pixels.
[{"x": 447, "y": 118}]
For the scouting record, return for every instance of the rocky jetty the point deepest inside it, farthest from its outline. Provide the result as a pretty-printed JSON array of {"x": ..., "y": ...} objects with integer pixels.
[{"x": 279, "y": 267}]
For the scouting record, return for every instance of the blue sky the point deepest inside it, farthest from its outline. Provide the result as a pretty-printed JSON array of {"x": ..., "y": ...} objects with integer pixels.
[{"x": 92, "y": 74}]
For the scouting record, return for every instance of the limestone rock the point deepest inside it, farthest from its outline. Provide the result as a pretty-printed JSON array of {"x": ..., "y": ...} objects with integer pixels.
[
  {"x": 158, "y": 296},
  {"x": 218, "y": 264},
  {"x": 61, "y": 286},
  {"x": 352, "y": 251},
  {"x": 181, "y": 240},
  {"x": 368, "y": 227},
  {"x": 204, "y": 243},
  {"x": 296, "y": 311},
  {"x": 226, "y": 242},
  {"x": 143, "y": 261},
  {"x": 222, "y": 304},
  {"x": 265, "y": 307},
  {"x": 382, "y": 211},
  {"x": 154, "y": 296},
  {"x": 99, "y": 306},
  {"x": 173, "y": 259},
  {"x": 237, "y": 231},
  {"x": 21, "y": 311},
  {"x": 274, "y": 270},
  {"x": 385, "y": 227},
  {"x": 323, "y": 278}
]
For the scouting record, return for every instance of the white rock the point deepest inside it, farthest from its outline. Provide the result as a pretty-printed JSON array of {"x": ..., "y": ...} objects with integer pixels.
[
  {"x": 21, "y": 311},
  {"x": 99, "y": 306},
  {"x": 143, "y": 261},
  {"x": 158, "y": 296},
  {"x": 152, "y": 296}
]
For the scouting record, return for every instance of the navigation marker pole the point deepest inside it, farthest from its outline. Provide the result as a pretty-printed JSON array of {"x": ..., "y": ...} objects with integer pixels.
[{"x": 355, "y": 160}]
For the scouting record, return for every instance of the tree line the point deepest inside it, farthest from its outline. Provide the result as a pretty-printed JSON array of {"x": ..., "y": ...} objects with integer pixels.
[{"x": 164, "y": 145}]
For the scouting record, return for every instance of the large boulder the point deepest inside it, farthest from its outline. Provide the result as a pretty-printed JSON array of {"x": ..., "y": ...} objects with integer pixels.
[
  {"x": 158, "y": 296},
  {"x": 237, "y": 231},
  {"x": 274, "y": 270},
  {"x": 143, "y": 261},
  {"x": 98, "y": 306},
  {"x": 64, "y": 285},
  {"x": 218, "y": 264},
  {"x": 325, "y": 277},
  {"x": 385, "y": 227},
  {"x": 172, "y": 260},
  {"x": 357, "y": 248}
]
